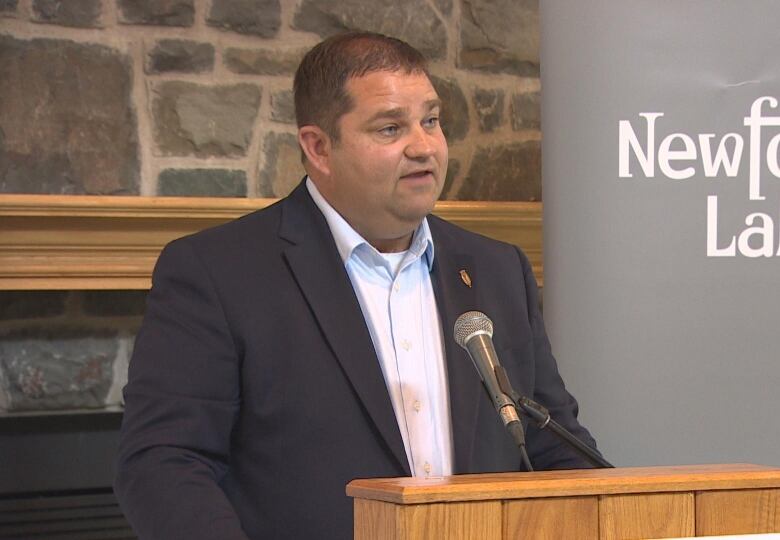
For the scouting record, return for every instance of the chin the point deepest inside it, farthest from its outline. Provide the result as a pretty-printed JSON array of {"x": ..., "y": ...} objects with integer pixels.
[{"x": 416, "y": 213}]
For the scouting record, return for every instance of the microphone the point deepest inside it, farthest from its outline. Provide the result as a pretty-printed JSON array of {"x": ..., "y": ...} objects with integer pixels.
[{"x": 474, "y": 332}]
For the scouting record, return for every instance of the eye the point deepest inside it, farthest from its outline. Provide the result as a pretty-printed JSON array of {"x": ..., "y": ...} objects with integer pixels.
[
  {"x": 389, "y": 131},
  {"x": 431, "y": 121}
]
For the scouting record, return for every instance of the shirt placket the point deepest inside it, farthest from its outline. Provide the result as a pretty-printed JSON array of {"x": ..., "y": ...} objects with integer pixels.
[{"x": 404, "y": 309}]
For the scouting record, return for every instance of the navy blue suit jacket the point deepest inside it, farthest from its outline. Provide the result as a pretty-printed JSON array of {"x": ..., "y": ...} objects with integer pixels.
[{"x": 255, "y": 394}]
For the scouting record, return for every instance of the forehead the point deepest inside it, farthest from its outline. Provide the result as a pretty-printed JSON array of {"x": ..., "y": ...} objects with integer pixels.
[{"x": 380, "y": 89}]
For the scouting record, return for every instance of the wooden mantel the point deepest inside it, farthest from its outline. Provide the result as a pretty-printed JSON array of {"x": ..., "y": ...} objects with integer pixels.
[{"x": 108, "y": 242}]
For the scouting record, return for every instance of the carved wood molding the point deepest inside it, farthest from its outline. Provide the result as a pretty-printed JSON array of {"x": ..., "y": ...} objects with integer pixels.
[{"x": 102, "y": 242}]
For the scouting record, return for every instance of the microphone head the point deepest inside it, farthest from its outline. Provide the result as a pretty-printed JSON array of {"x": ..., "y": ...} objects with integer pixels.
[{"x": 470, "y": 324}]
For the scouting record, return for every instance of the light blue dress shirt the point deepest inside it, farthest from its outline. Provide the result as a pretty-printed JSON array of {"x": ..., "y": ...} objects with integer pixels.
[{"x": 396, "y": 297}]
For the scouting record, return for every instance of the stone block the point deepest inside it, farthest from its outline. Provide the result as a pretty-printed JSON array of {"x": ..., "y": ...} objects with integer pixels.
[
  {"x": 263, "y": 61},
  {"x": 254, "y": 17},
  {"x": 507, "y": 172},
  {"x": 31, "y": 304},
  {"x": 157, "y": 12},
  {"x": 283, "y": 107},
  {"x": 76, "y": 13},
  {"x": 500, "y": 36},
  {"x": 202, "y": 183},
  {"x": 114, "y": 303},
  {"x": 454, "y": 115},
  {"x": 490, "y": 108},
  {"x": 180, "y": 55},
  {"x": 8, "y": 7},
  {"x": 526, "y": 111},
  {"x": 283, "y": 169},
  {"x": 67, "y": 123},
  {"x": 204, "y": 121},
  {"x": 413, "y": 21},
  {"x": 444, "y": 6},
  {"x": 121, "y": 365},
  {"x": 69, "y": 369}
]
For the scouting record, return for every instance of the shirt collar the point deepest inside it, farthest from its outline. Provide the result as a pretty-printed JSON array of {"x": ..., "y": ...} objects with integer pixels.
[{"x": 348, "y": 239}]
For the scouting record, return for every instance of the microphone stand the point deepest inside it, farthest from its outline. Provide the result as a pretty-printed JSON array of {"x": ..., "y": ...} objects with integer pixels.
[
  {"x": 542, "y": 417},
  {"x": 518, "y": 434}
]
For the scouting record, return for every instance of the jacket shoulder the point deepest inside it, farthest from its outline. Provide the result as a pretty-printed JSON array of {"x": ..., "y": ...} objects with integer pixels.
[
  {"x": 252, "y": 229},
  {"x": 470, "y": 242}
]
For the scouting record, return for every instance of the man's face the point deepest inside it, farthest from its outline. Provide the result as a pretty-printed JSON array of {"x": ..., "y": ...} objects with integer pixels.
[{"x": 388, "y": 167}]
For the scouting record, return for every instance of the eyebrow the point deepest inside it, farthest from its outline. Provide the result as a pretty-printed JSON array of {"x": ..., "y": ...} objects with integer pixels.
[{"x": 400, "y": 112}]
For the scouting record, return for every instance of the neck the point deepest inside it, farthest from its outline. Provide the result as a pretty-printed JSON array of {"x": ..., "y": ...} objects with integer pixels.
[
  {"x": 392, "y": 245},
  {"x": 373, "y": 233}
]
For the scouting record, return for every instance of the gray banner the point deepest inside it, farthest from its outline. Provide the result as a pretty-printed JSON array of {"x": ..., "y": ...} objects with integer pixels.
[{"x": 661, "y": 213}]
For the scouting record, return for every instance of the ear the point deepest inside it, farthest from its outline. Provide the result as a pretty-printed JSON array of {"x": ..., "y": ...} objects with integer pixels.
[{"x": 316, "y": 144}]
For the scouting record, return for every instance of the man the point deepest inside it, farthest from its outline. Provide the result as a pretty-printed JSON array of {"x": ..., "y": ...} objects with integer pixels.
[{"x": 292, "y": 350}]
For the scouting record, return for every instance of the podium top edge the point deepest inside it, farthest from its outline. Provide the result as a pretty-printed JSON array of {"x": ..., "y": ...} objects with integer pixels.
[{"x": 561, "y": 483}]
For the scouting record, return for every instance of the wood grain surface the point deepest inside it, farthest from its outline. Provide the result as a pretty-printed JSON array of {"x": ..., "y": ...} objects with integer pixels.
[
  {"x": 376, "y": 520},
  {"x": 737, "y": 512},
  {"x": 109, "y": 242},
  {"x": 566, "y": 483},
  {"x": 657, "y": 515},
  {"x": 552, "y": 519}
]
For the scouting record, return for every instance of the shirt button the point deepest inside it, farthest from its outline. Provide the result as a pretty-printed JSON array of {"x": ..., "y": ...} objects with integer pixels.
[
  {"x": 417, "y": 405},
  {"x": 406, "y": 345},
  {"x": 396, "y": 286},
  {"x": 427, "y": 468}
]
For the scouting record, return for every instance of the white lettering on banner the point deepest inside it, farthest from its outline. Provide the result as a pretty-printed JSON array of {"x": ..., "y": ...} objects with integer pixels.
[
  {"x": 666, "y": 155},
  {"x": 678, "y": 157},
  {"x": 627, "y": 137},
  {"x": 730, "y": 165},
  {"x": 755, "y": 121},
  {"x": 712, "y": 231},
  {"x": 763, "y": 233}
]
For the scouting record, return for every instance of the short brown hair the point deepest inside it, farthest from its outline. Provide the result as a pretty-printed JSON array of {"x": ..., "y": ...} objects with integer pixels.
[{"x": 321, "y": 96}]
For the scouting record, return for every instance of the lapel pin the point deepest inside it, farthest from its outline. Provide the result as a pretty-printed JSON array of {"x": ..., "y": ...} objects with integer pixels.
[{"x": 464, "y": 276}]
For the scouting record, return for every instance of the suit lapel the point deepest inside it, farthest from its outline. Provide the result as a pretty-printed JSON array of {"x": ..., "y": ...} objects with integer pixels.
[
  {"x": 319, "y": 271},
  {"x": 454, "y": 297}
]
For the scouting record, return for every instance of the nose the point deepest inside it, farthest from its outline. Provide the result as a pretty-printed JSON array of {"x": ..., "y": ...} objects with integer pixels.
[{"x": 421, "y": 144}]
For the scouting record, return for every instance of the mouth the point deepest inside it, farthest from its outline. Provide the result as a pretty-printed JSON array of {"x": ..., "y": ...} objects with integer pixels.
[{"x": 418, "y": 175}]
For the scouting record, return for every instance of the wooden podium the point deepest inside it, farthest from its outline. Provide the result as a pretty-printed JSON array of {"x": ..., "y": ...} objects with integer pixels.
[{"x": 651, "y": 502}]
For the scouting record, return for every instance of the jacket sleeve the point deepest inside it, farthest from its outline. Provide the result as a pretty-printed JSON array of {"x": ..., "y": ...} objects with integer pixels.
[
  {"x": 181, "y": 402},
  {"x": 545, "y": 449}
]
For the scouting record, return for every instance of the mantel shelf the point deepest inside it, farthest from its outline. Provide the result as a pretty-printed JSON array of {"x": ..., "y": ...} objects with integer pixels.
[{"x": 108, "y": 242}]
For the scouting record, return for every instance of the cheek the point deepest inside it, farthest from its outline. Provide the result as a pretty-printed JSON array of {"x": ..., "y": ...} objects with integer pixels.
[
  {"x": 443, "y": 150},
  {"x": 382, "y": 164},
  {"x": 373, "y": 167}
]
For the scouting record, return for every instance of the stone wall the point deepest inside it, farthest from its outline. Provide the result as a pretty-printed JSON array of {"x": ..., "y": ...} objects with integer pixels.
[
  {"x": 66, "y": 350},
  {"x": 193, "y": 97}
]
